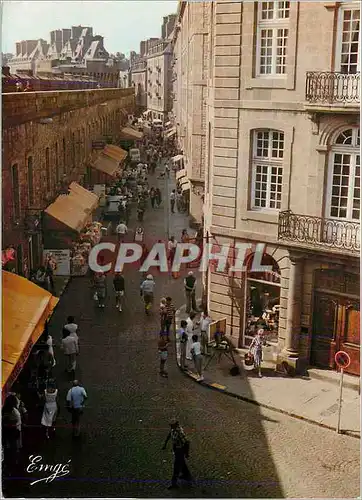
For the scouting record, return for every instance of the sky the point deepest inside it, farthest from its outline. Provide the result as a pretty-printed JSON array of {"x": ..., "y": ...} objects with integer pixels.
[{"x": 122, "y": 23}]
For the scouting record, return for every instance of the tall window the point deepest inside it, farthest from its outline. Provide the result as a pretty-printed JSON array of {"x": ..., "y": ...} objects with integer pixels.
[
  {"x": 47, "y": 170},
  {"x": 348, "y": 47},
  {"x": 267, "y": 169},
  {"x": 344, "y": 194},
  {"x": 16, "y": 190},
  {"x": 64, "y": 157},
  {"x": 56, "y": 153},
  {"x": 30, "y": 181},
  {"x": 272, "y": 38},
  {"x": 73, "y": 148}
]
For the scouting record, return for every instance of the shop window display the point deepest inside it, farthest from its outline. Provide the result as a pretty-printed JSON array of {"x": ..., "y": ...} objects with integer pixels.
[{"x": 263, "y": 302}]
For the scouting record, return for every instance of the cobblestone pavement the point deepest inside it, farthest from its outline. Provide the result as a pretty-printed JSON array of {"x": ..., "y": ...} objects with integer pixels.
[{"x": 237, "y": 449}]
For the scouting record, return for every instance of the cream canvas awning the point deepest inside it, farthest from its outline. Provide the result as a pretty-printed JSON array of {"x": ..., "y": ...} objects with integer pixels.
[
  {"x": 185, "y": 186},
  {"x": 177, "y": 158},
  {"x": 73, "y": 209},
  {"x": 106, "y": 164},
  {"x": 115, "y": 152},
  {"x": 131, "y": 133}
]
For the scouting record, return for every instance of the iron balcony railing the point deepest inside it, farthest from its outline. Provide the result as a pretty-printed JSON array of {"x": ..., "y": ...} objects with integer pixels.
[
  {"x": 319, "y": 232},
  {"x": 332, "y": 88}
]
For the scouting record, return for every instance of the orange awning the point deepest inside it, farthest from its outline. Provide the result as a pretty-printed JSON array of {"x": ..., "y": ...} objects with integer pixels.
[
  {"x": 73, "y": 209},
  {"x": 131, "y": 133},
  {"x": 87, "y": 199},
  {"x": 106, "y": 164},
  {"x": 25, "y": 310},
  {"x": 115, "y": 152}
]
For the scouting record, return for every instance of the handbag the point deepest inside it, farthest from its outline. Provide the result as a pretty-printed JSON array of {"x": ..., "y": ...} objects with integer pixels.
[
  {"x": 95, "y": 296},
  {"x": 248, "y": 359}
]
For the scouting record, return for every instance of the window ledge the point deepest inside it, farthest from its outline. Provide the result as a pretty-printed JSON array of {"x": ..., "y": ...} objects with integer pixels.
[
  {"x": 262, "y": 216},
  {"x": 267, "y": 83}
]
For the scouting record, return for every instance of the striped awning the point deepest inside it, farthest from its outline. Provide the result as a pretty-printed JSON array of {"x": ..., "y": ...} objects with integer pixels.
[{"x": 181, "y": 173}]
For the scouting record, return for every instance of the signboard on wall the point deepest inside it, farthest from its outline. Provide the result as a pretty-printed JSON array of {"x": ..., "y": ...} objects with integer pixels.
[
  {"x": 100, "y": 191},
  {"x": 98, "y": 145},
  {"x": 62, "y": 258},
  {"x": 216, "y": 326}
]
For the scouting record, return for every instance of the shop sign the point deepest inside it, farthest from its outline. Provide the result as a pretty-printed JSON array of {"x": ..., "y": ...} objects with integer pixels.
[
  {"x": 98, "y": 145},
  {"x": 62, "y": 258}
]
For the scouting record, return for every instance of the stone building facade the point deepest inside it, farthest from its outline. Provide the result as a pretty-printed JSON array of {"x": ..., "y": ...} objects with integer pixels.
[
  {"x": 139, "y": 82},
  {"x": 47, "y": 143},
  {"x": 74, "y": 50},
  {"x": 159, "y": 79},
  {"x": 191, "y": 68},
  {"x": 283, "y": 169}
]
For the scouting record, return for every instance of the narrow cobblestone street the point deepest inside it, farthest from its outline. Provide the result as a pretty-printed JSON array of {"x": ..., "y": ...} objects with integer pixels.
[{"x": 237, "y": 449}]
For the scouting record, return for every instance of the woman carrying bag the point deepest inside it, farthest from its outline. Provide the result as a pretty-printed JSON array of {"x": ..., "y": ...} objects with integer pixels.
[{"x": 256, "y": 350}]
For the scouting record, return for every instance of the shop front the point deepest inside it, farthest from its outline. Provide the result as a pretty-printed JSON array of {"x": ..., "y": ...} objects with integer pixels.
[
  {"x": 69, "y": 231},
  {"x": 262, "y": 300},
  {"x": 26, "y": 309}
]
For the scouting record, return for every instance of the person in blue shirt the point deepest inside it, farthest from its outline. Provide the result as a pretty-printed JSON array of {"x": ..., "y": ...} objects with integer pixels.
[{"x": 75, "y": 402}]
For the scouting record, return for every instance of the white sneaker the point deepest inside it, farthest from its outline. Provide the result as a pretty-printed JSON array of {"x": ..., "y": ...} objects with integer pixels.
[{"x": 120, "y": 309}]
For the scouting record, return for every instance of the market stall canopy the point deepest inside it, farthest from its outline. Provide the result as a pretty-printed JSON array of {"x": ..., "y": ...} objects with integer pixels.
[
  {"x": 131, "y": 133},
  {"x": 115, "y": 152},
  {"x": 73, "y": 209},
  {"x": 177, "y": 158},
  {"x": 106, "y": 164},
  {"x": 170, "y": 132},
  {"x": 26, "y": 308},
  {"x": 181, "y": 173},
  {"x": 86, "y": 198}
]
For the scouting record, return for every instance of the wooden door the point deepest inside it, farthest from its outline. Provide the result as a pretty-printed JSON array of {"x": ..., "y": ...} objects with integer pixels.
[
  {"x": 326, "y": 317},
  {"x": 349, "y": 338}
]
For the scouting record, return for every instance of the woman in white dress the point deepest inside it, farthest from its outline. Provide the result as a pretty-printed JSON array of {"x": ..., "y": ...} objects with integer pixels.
[
  {"x": 50, "y": 408},
  {"x": 50, "y": 347}
]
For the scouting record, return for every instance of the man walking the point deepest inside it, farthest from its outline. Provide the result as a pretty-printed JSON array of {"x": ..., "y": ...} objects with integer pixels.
[
  {"x": 121, "y": 231},
  {"x": 180, "y": 446},
  {"x": 190, "y": 291},
  {"x": 75, "y": 402},
  {"x": 173, "y": 200},
  {"x": 118, "y": 285},
  {"x": 189, "y": 331},
  {"x": 204, "y": 323},
  {"x": 183, "y": 342},
  {"x": 169, "y": 316},
  {"x": 70, "y": 348}
]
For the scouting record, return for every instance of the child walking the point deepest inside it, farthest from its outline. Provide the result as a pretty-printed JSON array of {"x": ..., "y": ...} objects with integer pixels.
[
  {"x": 197, "y": 356},
  {"x": 163, "y": 354}
]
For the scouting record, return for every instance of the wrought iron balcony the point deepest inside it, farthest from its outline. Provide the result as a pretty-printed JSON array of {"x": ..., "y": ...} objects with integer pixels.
[
  {"x": 332, "y": 88},
  {"x": 319, "y": 232}
]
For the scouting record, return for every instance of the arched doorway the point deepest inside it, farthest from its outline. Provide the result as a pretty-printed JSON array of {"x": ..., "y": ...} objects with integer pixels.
[
  {"x": 336, "y": 318},
  {"x": 262, "y": 299}
]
